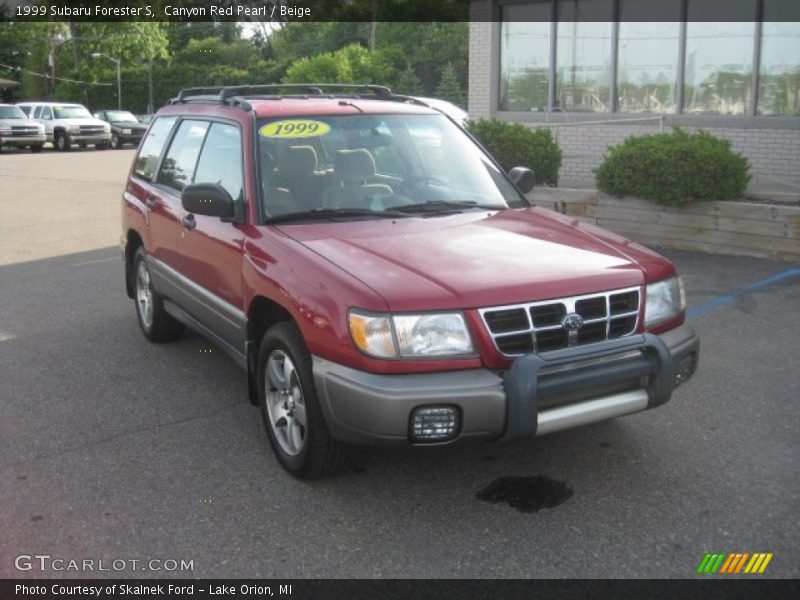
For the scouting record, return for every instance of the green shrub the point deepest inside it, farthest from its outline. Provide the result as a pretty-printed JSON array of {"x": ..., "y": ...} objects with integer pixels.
[
  {"x": 514, "y": 145},
  {"x": 671, "y": 168}
]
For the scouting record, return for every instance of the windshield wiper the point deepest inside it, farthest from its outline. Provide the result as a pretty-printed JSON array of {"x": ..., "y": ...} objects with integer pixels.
[
  {"x": 334, "y": 213},
  {"x": 445, "y": 206}
]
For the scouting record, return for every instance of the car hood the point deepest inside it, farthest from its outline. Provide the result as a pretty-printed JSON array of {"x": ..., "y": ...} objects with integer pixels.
[
  {"x": 129, "y": 125},
  {"x": 19, "y": 122},
  {"x": 477, "y": 259},
  {"x": 81, "y": 121}
]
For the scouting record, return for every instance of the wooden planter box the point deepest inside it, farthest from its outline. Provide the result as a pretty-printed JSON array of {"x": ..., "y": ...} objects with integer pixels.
[{"x": 744, "y": 228}]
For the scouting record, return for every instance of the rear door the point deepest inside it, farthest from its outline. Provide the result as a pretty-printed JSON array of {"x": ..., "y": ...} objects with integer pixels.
[{"x": 161, "y": 213}]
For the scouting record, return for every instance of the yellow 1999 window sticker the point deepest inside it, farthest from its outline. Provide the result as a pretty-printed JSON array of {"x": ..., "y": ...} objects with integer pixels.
[{"x": 294, "y": 128}]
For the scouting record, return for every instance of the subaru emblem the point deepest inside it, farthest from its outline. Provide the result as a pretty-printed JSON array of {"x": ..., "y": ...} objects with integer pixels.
[{"x": 572, "y": 322}]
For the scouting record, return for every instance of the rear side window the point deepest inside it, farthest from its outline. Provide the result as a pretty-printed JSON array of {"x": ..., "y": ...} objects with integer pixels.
[
  {"x": 177, "y": 169},
  {"x": 152, "y": 146},
  {"x": 221, "y": 159}
]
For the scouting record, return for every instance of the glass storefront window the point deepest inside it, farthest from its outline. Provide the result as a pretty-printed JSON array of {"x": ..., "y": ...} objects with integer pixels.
[
  {"x": 647, "y": 67},
  {"x": 583, "y": 57},
  {"x": 525, "y": 56},
  {"x": 719, "y": 63},
  {"x": 779, "y": 74}
]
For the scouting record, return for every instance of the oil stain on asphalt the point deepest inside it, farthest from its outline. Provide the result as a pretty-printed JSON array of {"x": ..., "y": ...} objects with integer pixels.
[{"x": 526, "y": 494}]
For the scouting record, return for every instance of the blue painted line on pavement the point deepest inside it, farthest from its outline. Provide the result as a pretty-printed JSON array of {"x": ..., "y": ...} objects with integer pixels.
[{"x": 730, "y": 298}]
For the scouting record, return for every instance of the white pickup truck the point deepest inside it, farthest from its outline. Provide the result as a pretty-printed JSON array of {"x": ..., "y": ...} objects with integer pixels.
[{"x": 67, "y": 124}]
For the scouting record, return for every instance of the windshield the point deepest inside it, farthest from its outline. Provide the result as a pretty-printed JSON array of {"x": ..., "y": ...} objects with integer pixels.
[
  {"x": 71, "y": 112},
  {"x": 412, "y": 162},
  {"x": 121, "y": 116},
  {"x": 11, "y": 112}
]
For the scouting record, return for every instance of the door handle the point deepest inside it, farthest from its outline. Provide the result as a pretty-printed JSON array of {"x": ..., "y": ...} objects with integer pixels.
[
  {"x": 188, "y": 221},
  {"x": 151, "y": 202}
]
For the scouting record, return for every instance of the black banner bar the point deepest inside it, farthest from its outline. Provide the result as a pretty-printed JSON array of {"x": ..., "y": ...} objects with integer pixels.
[
  {"x": 284, "y": 11},
  {"x": 396, "y": 589}
]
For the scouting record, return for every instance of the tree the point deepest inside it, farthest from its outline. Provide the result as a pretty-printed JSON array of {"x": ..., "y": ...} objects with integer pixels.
[
  {"x": 450, "y": 89},
  {"x": 408, "y": 83},
  {"x": 351, "y": 64}
]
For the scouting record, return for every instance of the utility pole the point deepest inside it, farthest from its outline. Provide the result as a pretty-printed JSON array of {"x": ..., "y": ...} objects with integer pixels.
[{"x": 118, "y": 63}]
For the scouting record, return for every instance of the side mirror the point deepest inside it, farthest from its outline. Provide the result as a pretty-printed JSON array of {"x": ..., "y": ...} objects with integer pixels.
[
  {"x": 209, "y": 199},
  {"x": 522, "y": 178}
]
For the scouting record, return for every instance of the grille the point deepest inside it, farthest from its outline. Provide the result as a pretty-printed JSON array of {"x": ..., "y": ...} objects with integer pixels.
[
  {"x": 22, "y": 130},
  {"x": 91, "y": 129},
  {"x": 537, "y": 326}
]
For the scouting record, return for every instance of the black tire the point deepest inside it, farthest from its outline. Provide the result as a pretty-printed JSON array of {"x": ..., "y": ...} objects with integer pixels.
[
  {"x": 115, "y": 143},
  {"x": 321, "y": 454},
  {"x": 61, "y": 141},
  {"x": 36, "y": 148},
  {"x": 160, "y": 326}
]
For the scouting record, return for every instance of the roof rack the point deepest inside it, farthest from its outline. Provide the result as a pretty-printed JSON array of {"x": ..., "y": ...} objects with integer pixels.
[{"x": 236, "y": 95}]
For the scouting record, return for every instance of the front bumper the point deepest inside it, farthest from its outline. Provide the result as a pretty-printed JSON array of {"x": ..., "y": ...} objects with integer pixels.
[
  {"x": 540, "y": 393},
  {"x": 90, "y": 138},
  {"x": 15, "y": 140}
]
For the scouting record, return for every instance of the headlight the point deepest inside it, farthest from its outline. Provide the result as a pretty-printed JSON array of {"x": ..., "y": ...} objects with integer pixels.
[
  {"x": 411, "y": 336},
  {"x": 41, "y": 128},
  {"x": 4, "y": 127},
  {"x": 665, "y": 300}
]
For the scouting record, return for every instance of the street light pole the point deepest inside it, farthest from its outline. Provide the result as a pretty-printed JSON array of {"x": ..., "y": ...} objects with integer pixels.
[
  {"x": 118, "y": 63},
  {"x": 119, "y": 86}
]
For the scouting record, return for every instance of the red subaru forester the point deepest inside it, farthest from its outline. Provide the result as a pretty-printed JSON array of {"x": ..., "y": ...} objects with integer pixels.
[{"x": 382, "y": 280}]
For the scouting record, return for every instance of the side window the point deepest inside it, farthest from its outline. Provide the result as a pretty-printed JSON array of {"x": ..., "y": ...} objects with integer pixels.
[
  {"x": 37, "y": 112},
  {"x": 152, "y": 146},
  {"x": 47, "y": 112},
  {"x": 26, "y": 110},
  {"x": 221, "y": 159},
  {"x": 177, "y": 169}
]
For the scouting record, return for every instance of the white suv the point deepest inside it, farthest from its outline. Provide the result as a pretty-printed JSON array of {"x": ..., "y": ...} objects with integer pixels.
[
  {"x": 66, "y": 124},
  {"x": 17, "y": 131}
]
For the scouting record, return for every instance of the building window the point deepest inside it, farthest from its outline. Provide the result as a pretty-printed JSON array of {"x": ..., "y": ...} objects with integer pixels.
[
  {"x": 525, "y": 57},
  {"x": 647, "y": 68},
  {"x": 586, "y": 62},
  {"x": 583, "y": 57},
  {"x": 779, "y": 73},
  {"x": 719, "y": 64}
]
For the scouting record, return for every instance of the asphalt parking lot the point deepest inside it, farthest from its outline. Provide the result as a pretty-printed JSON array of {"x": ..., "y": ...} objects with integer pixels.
[{"x": 115, "y": 448}]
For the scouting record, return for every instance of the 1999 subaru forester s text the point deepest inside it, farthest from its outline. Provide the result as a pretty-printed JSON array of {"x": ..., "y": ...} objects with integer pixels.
[{"x": 382, "y": 280}]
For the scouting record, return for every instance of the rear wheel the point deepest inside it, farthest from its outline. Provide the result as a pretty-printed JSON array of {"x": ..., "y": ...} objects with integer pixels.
[
  {"x": 155, "y": 322},
  {"x": 289, "y": 406},
  {"x": 61, "y": 141}
]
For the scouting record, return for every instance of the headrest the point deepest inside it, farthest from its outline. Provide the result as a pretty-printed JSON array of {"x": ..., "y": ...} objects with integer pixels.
[
  {"x": 353, "y": 166},
  {"x": 297, "y": 161}
]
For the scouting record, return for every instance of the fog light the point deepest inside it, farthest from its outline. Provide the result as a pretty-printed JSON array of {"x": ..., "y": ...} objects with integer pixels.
[
  {"x": 434, "y": 423},
  {"x": 685, "y": 369}
]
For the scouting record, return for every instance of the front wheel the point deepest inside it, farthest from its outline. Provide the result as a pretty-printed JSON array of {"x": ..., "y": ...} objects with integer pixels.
[
  {"x": 155, "y": 322},
  {"x": 115, "y": 143},
  {"x": 289, "y": 406},
  {"x": 61, "y": 141}
]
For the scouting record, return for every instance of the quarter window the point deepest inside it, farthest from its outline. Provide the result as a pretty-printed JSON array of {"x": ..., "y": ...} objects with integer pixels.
[
  {"x": 152, "y": 146},
  {"x": 177, "y": 169}
]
